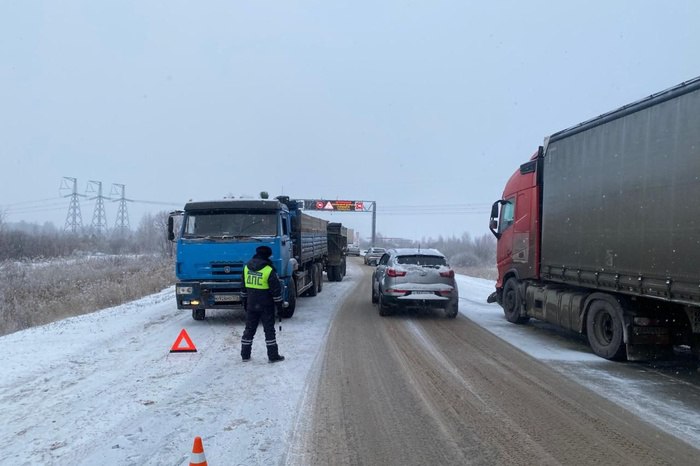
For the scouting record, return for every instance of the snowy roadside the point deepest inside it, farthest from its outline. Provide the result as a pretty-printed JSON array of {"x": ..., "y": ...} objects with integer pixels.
[{"x": 103, "y": 388}]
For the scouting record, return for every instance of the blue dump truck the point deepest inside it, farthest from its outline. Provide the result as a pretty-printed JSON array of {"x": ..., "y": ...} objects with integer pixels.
[{"x": 215, "y": 239}]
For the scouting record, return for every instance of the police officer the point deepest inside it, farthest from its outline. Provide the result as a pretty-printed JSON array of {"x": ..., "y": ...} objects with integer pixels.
[{"x": 262, "y": 293}]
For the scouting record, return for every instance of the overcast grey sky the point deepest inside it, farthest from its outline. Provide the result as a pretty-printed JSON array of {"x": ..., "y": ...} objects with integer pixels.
[{"x": 426, "y": 107}]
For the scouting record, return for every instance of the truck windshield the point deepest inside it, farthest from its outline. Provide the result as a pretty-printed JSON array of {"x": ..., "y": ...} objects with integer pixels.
[{"x": 229, "y": 224}]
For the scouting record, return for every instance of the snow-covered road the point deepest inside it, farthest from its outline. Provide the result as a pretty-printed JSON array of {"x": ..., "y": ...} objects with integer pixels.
[{"x": 104, "y": 388}]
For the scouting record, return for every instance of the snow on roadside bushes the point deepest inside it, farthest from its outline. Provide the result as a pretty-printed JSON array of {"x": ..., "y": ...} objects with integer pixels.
[{"x": 37, "y": 292}]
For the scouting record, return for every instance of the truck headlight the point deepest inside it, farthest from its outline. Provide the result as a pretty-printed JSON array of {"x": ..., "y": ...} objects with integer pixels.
[{"x": 183, "y": 290}]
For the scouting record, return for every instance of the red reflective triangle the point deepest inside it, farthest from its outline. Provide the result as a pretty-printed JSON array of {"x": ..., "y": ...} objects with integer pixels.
[{"x": 178, "y": 341}]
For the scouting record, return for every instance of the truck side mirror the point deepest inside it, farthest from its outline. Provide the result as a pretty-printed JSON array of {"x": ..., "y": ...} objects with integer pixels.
[
  {"x": 171, "y": 233},
  {"x": 493, "y": 222}
]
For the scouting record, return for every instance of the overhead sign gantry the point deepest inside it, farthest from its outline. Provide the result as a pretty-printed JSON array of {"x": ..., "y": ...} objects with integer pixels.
[{"x": 344, "y": 206}]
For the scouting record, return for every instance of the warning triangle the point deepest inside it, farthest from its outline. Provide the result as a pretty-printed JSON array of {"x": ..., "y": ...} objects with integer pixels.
[
  {"x": 328, "y": 206},
  {"x": 177, "y": 346}
]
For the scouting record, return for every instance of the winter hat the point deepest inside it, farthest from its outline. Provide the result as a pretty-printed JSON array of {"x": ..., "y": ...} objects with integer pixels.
[{"x": 263, "y": 252}]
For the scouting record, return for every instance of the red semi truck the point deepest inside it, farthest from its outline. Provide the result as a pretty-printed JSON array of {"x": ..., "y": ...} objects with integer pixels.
[{"x": 599, "y": 232}]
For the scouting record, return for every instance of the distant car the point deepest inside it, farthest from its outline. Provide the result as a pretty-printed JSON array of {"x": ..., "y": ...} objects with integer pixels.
[
  {"x": 415, "y": 278},
  {"x": 353, "y": 250},
  {"x": 373, "y": 254}
]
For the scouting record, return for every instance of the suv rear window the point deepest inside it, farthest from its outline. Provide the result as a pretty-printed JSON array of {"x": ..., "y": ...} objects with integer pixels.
[{"x": 430, "y": 261}]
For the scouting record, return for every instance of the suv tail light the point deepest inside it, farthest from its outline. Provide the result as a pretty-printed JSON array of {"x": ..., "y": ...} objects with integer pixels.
[
  {"x": 395, "y": 273},
  {"x": 449, "y": 274}
]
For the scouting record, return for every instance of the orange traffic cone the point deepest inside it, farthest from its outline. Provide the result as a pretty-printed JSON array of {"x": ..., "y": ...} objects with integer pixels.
[{"x": 197, "y": 457}]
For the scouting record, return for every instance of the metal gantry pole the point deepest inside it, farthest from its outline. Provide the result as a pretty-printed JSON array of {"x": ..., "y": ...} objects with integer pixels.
[{"x": 374, "y": 222}]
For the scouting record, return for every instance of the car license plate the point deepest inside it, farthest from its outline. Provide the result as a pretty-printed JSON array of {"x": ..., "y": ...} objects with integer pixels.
[
  {"x": 226, "y": 298},
  {"x": 422, "y": 292}
]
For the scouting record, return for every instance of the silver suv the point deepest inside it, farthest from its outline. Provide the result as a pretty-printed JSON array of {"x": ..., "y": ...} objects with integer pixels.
[{"x": 414, "y": 278}]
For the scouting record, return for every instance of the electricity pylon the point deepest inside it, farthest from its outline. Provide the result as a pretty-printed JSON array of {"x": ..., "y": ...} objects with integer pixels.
[
  {"x": 121, "y": 224},
  {"x": 99, "y": 216},
  {"x": 74, "y": 221}
]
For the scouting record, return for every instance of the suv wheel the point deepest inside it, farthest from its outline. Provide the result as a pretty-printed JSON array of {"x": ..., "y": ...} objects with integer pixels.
[
  {"x": 452, "y": 308},
  {"x": 383, "y": 309}
]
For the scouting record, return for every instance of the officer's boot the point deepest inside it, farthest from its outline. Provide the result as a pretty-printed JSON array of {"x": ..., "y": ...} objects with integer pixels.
[
  {"x": 273, "y": 354},
  {"x": 246, "y": 348}
]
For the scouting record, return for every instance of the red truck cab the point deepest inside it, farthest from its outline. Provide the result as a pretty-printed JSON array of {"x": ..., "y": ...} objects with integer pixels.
[{"x": 515, "y": 221}]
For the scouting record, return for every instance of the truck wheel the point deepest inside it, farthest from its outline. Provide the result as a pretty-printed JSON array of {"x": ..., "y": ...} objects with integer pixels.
[
  {"x": 313, "y": 290},
  {"x": 604, "y": 330},
  {"x": 511, "y": 303},
  {"x": 198, "y": 314},
  {"x": 383, "y": 309},
  {"x": 332, "y": 273},
  {"x": 288, "y": 311}
]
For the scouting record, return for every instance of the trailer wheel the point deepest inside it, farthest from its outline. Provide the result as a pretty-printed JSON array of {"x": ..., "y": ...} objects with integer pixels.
[
  {"x": 198, "y": 314},
  {"x": 340, "y": 271},
  {"x": 604, "y": 330},
  {"x": 319, "y": 274},
  {"x": 511, "y": 303},
  {"x": 288, "y": 311}
]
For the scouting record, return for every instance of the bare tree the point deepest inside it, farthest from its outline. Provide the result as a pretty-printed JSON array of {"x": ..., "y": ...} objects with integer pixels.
[{"x": 152, "y": 235}]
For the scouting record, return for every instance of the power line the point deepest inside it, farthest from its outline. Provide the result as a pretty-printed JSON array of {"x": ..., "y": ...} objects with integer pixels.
[
  {"x": 171, "y": 204},
  {"x": 485, "y": 212},
  {"x": 11, "y": 204},
  {"x": 432, "y": 206},
  {"x": 436, "y": 209},
  {"x": 44, "y": 207}
]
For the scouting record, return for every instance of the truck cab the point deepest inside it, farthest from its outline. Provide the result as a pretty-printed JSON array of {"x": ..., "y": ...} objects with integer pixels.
[
  {"x": 215, "y": 241},
  {"x": 515, "y": 224}
]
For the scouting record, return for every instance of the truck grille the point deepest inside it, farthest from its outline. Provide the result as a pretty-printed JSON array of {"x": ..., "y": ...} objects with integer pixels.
[{"x": 228, "y": 270}]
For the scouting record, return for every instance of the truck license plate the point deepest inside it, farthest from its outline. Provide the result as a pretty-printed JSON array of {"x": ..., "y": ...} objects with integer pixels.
[{"x": 226, "y": 298}]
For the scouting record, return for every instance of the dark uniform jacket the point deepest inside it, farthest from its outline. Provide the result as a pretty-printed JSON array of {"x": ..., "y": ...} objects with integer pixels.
[{"x": 257, "y": 299}]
